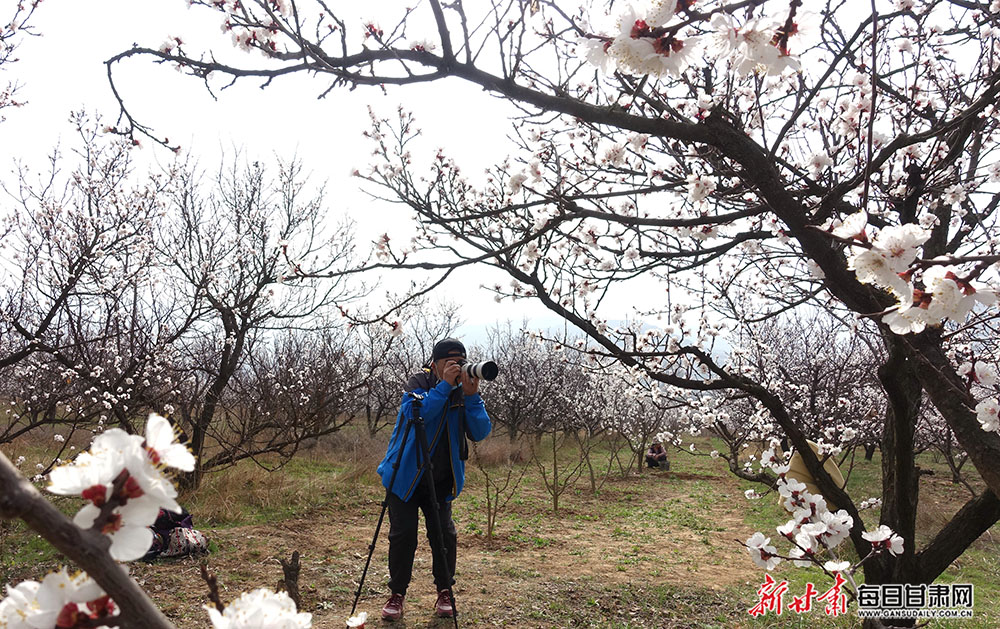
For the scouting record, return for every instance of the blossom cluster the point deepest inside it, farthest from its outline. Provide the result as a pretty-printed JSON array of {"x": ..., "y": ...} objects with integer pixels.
[
  {"x": 250, "y": 31},
  {"x": 988, "y": 414},
  {"x": 925, "y": 297},
  {"x": 928, "y": 294},
  {"x": 984, "y": 374},
  {"x": 883, "y": 538},
  {"x": 813, "y": 529},
  {"x": 123, "y": 479},
  {"x": 870, "y": 503},
  {"x": 61, "y": 600},
  {"x": 645, "y": 44},
  {"x": 260, "y": 609}
]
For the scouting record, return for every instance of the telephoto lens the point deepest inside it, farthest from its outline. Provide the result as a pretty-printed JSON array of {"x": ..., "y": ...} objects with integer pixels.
[{"x": 486, "y": 370}]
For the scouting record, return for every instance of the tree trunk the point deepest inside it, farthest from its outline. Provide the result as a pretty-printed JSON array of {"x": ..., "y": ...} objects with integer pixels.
[
  {"x": 512, "y": 434},
  {"x": 555, "y": 475},
  {"x": 870, "y": 450},
  {"x": 899, "y": 471},
  {"x": 227, "y": 368}
]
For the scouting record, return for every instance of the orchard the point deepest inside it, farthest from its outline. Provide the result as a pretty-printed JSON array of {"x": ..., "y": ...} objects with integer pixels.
[{"x": 804, "y": 194}]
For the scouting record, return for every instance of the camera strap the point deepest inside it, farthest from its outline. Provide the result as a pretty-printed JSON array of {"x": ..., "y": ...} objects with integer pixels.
[{"x": 456, "y": 400}]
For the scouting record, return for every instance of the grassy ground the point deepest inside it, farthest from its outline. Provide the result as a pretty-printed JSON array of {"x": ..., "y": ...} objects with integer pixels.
[{"x": 656, "y": 549}]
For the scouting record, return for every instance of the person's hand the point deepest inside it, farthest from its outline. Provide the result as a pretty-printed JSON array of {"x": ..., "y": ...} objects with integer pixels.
[
  {"x": 451, "y": 372},
  {"x": 470, "y": 386}
]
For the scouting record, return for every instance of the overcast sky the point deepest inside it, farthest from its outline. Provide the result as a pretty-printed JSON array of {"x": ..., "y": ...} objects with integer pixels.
[{"x": 63, "y": 70}]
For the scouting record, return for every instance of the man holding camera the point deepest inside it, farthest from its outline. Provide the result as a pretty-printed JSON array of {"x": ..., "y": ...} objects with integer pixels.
[{"x": 452, "y": 410}]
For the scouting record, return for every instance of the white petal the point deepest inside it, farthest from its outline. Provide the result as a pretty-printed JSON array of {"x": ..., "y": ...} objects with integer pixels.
[
  {"x": 130, "y": 542},
  {"x": 115, "y": 440},
  {"x": 218, "y": 620},
  {"x": 83, "y": 473},
  {"x": 86, "y": 515},
  {"x": 86, "y": 589},
  {"x": 160, "y": 436},
  {"x": 141, "y": 511},
  {"x": 55, "y": 587}
]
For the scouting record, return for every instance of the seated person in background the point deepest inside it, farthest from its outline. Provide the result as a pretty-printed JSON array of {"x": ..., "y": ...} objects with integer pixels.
[
  {"x": 174, "y": 535},
  {"x": 656, "y": 455}
]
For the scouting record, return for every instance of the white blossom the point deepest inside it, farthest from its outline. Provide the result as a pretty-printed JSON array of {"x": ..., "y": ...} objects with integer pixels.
[
  {"x": 638, "y": 142},
  {"x": 954, "y": 195},
  {"x": 515, "y": 183},
  {"x": 700, "y": 186},
  {"x": 358, "y": 620},
  {"x": 260, "y": 609},
  {"x": 162, "y": 445},
  {"x": 853, "y": 226},
  {"x": 994, "y": 172},
  {"x": 986, "y": 374},
  {"x": 884, "y": 538},
  {"x": 762, "y": 553},
  {"x": 615, "y": 155},
  {"x": 34, "y": 605},
  {"x": 594, "y": 51},
  {"x": 819, "y": 162},
  {"x": 396, "y": 328},
  {"x": 987, "y": 413}
]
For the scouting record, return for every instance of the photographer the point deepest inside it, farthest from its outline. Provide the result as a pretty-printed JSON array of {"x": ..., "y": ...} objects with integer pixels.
[{"x": 452, "y": 410}]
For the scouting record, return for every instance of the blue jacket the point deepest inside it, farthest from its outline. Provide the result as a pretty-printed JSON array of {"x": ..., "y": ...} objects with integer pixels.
[{"x": 476, "y": 425}]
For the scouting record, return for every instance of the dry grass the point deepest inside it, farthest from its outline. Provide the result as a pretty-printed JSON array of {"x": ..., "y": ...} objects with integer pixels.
[
  {"x": 582, "y": 568},
  {"x": 251, "y": 493},
  {"x": 227, "y": 497},
  {"x": 500, "y": 452},
  {"x": 352, "y": 445}
]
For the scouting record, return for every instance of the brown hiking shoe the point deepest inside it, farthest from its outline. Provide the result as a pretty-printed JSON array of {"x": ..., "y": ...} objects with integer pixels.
[
  {"x": 443, "y": 607},
  {"x": 393, "y": 609}
]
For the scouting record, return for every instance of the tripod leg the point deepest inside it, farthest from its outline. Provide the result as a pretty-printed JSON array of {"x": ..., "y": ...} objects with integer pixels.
[{"x": 381, "y": 516}]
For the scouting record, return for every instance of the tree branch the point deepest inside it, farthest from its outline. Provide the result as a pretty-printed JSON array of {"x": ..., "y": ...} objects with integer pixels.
[{"x": 87, "y": 549}]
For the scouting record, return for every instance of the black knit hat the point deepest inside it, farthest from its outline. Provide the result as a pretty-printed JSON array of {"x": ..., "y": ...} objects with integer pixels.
[{"x": 446, "y": 348}]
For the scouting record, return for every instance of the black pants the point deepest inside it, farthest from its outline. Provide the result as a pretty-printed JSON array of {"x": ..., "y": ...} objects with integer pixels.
[{"x": 403, "y": 536}]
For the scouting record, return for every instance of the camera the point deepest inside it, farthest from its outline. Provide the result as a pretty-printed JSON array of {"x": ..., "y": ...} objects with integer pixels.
[{"x": 486, "y": 370}]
